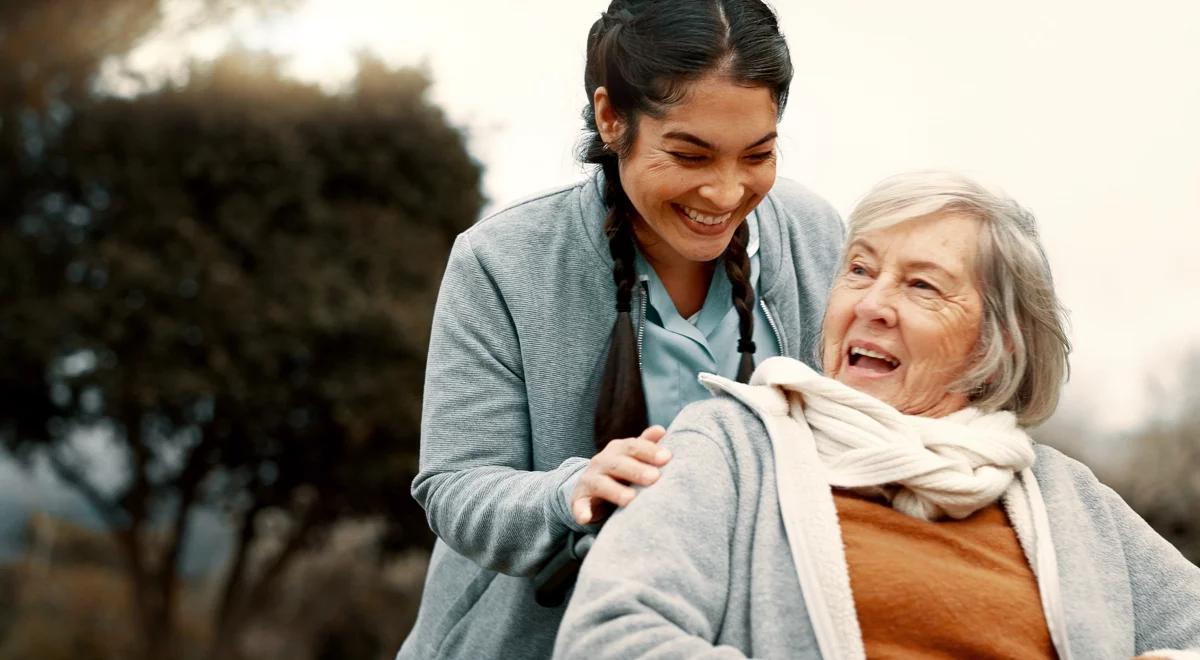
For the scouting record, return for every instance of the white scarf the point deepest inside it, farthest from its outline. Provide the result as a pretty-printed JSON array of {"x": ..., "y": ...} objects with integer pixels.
[{"x": 927, "y": 467}]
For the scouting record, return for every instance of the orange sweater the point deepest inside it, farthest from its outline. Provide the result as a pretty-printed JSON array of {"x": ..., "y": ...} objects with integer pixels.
[{"x": 951, "y": 589}]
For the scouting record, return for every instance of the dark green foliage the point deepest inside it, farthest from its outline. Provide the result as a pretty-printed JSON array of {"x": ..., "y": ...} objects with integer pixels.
[{"x": 234, "y": 279}]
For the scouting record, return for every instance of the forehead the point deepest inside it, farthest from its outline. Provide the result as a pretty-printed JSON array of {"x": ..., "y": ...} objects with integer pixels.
[
  {"x": 720, "y": 111},
  {"x": 948, "y": 240}
]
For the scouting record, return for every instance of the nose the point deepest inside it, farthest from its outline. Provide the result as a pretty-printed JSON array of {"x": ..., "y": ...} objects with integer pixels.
[
  {"x": 725, "y": 191},
  {"x": 877, "y": 304}
]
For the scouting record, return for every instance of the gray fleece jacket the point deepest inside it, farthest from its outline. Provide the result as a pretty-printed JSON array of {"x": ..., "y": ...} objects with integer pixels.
[
  {"x": 699, "y": 565},
  {"x": 519, "y": 336}
]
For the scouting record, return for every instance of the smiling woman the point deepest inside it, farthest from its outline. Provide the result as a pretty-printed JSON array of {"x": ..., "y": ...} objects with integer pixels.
[
  {"x": 897, "y": 508},
  {"x": 919, "y": 250},
  {"x": 921, "y": 271},
  {"x": 693, "y": 175},
  {"x": 571, "y": 327}
]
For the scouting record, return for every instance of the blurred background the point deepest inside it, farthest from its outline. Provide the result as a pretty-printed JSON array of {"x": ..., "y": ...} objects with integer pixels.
[{"x": 223, "y": 224}]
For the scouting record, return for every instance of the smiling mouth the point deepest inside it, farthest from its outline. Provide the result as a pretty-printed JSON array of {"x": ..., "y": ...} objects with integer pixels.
[
  {"x": 873, "y": 361},
  {"x": 703, "y": 218}
]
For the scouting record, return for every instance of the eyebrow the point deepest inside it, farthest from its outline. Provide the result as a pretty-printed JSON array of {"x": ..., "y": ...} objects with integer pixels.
[
  {"x": 692, "y": 139},
  {"x": 908, "y": 265},
  {"x": 929, "y": 265}
]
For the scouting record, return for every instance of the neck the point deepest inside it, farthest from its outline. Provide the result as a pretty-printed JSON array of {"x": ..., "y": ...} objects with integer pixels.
[{"x": 686, "y": 281}]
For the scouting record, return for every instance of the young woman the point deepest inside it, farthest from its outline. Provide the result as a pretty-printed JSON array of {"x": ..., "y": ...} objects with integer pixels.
[{"x": 571, "y": 326}]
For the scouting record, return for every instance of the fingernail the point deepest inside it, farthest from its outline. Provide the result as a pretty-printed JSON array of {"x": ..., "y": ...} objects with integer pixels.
[
  {"x": 650, "y": 474},
  {"x": 662, "y": 454}
]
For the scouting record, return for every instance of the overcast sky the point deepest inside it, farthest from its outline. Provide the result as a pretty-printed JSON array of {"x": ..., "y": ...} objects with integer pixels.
[{"x": 1085, "y": 111}]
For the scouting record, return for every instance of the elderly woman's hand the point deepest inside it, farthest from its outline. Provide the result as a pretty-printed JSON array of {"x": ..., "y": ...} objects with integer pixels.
[{"x": 607, "y": 477}]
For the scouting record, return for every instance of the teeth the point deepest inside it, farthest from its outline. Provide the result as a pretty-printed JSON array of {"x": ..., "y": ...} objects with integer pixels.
[
  {"x": 858, "y": 350},
  {"x": 705, "y": 219}
]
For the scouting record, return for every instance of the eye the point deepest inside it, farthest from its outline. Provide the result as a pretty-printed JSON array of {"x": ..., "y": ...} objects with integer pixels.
[
  {"x": 857, "y": 269},
  {"x": 761, "y": 157},
  {"x": 923, "y": 285},
  {"x": 686, "y": 158}
]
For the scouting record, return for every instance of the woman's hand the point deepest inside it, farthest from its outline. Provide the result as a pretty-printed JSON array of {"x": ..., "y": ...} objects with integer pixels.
[{"x": 607, "y": 477}]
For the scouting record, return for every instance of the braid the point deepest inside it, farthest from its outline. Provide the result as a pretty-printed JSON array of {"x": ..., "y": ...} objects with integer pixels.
[
  {"x": 621, "y": 407},
  {"x": 620, "y": 239},
  {"x": 737, "y": 267}
]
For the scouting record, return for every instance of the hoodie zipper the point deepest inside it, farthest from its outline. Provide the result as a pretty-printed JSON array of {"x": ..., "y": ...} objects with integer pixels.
[
  {"x": 641, "y": 331},
  {"x": 775, "y": 329}
]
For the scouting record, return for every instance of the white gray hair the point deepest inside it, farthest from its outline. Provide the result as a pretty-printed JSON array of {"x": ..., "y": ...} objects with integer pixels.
[{"x": 1020, "y": 362}]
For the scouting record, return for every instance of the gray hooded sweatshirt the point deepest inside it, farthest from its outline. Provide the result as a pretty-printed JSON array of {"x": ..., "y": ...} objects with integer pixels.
[
  {"x": 701, "y": 566},
  {"x": 519, "y": 336}
]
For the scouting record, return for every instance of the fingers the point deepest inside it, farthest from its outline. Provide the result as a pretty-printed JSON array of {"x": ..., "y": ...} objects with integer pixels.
[
  {"x": 610, "y": 474},
  {"x": 581, "y": 510},
  {"x": 643, "y": 448},
  {"x": 627, "y": 469},
  {"x": 601, "y": 487},
  {"x": 587, "y": 510},
  {"x": 653, "y": 433}
]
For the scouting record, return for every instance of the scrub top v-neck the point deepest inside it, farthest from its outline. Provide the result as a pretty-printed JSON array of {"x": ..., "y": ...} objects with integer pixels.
[{"x": 675, "y": 350}]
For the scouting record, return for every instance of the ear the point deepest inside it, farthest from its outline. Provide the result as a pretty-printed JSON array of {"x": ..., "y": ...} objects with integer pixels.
[{"x": 608, "y": 122}]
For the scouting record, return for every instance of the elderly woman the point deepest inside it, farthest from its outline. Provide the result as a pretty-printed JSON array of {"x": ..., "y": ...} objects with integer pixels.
[{"x": 895, "y": 508}]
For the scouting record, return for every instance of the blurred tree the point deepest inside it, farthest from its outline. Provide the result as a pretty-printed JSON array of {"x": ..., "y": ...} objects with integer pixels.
[
  {"x": 51, "y": 52},
  {"x": 1162, "y": 479},
  {"x": 232, "y": 281}
]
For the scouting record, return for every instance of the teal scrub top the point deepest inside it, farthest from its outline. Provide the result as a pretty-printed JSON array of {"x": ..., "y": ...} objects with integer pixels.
[{"x": 676, "y": 350}]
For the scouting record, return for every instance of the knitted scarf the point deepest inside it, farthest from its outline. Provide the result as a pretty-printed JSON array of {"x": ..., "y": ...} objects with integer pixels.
[{"x": 926, "y": 467}]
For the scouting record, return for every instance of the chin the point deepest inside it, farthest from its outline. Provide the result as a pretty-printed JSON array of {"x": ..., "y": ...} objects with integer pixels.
[
  {"x": 710, "y": 255},
  {"x": 704, "y": 251},
  {"x": 874, "y": 387},
  {"x": 881, "y": 393}
]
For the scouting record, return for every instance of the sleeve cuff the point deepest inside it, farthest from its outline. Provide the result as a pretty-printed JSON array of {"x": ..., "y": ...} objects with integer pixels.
[{"x": 561, "y": 505}]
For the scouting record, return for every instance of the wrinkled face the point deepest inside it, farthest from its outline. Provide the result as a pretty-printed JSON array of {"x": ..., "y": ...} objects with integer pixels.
[
  {"x": 694, "y": 174},
  {"x": 905, "y": 314}
]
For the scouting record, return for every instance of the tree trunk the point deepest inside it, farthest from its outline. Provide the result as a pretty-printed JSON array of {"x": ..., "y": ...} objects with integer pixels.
[
  {"x": 225, "y": 630},
  {"x": 153, "y": 619},
  {"x": 241, "y": 596}
]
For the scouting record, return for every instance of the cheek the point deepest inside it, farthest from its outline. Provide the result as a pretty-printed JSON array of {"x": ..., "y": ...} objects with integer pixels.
[
  {"x": 833, "y": 326},
  {"x": 645, "y": 179},
  {"x": 964, "y": 333},
  {"x": 663, "y": 176},
  {"x": 762, "y": 179},
  {"x": 839, "y": 309},
  {"x": 830, "y": 357},
  {"x": 965, "y": 340},
  {"x": 955, "y": 340}
]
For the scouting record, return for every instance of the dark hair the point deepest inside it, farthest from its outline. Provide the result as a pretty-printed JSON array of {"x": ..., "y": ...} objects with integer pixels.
[{"x": 645, "y": 54}]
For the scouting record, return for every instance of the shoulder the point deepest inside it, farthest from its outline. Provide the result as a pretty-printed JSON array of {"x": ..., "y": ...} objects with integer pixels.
[
  {"x": 1068, "y": 485},
  {"x": 1051, "y": 466},
  {"x": 531, "y": 221},
  {"x": 723, "y": 422},
  {"x": 807, "y": 231},
  {"x": 797, "y": 206}
]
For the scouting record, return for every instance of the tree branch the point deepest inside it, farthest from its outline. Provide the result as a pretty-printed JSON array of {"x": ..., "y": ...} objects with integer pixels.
[
  {"x": 295, "y": 542},
  {"x": 187, "y": 483},
  {"x": 226, "y": 635},
  {"x": 111, "y": 513},
  {"x": 196, "y": 466}
]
